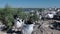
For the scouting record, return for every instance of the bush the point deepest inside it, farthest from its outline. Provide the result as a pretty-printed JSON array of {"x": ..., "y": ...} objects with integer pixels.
[
  {"x": 34, "y": 17},
  {"x": 6, "y": 15}
]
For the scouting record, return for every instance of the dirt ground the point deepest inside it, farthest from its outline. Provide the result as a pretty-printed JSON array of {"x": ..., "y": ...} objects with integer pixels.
[
  {"x": 46, "y": 30},
  {"x": 2, "y": 32},
  {"x": 41, "y": 30}
]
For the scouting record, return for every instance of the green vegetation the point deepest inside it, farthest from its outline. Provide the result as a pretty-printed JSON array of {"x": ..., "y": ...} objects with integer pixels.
[
  {"x": 34, "y": 17},
  {"x": 6, "y": 15}
]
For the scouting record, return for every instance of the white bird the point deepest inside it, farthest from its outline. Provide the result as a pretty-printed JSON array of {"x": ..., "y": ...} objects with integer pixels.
[
  {"x": 50, "y": 15},
  {"x": 18, "y": 23},
  {"x": 27, "y": 29}
]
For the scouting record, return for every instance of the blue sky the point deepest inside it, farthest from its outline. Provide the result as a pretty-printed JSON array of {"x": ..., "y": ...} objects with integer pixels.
[{"x": 31, "y": 3}]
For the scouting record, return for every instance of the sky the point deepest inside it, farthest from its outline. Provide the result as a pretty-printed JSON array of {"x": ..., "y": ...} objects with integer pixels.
[{"x": 31, "y": 3}]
